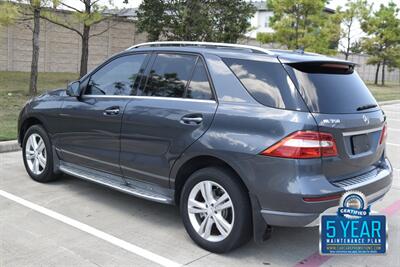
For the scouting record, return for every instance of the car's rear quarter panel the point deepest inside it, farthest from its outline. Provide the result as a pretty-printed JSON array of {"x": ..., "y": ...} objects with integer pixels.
[{"x": 241, "y": 129}]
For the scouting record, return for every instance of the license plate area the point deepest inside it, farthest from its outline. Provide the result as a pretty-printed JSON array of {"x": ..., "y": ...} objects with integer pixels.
[{"x": 360, "y": 144}]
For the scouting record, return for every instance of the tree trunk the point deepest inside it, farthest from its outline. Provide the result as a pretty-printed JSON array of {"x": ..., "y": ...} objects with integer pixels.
[
  {"x": 35, "y": 52},
  {"x": 383, "y": 72},
  {"x": 297, "y": 33},
  {"x": 85, "y": 51},
  {"x": 349, "y": 38},
  {"x": 377, "y": 73},
  {"x": 348, "y": 47}
]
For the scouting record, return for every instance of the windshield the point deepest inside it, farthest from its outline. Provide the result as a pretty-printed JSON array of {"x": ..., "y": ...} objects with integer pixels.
[{"x": 331, "y": 88}]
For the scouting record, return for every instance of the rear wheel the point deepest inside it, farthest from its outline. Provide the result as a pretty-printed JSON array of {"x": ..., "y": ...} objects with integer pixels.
[
  {"x": 216, "y": 210},
  {"x": 38, "y": 155}
]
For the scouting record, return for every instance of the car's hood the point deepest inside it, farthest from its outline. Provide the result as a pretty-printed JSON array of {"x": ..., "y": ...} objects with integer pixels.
[
  {"x": 49, "y": 94},
  {"x": 55, "y": 92}
]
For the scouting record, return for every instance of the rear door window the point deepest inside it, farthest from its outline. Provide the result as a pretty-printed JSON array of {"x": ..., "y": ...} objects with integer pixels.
[
  {"x": 199, "y": 86},
  {"x": 267, "y": 82},
  {"x": 169, "y": 75},
  {"x": 331, "y": 88}
]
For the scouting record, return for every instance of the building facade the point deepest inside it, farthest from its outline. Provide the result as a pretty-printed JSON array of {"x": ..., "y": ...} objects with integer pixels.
[{"x": 260, "y": 21}]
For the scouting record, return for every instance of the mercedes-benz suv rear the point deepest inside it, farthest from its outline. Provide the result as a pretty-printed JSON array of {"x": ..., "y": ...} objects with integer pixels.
[{"x": 240, "y": 137}]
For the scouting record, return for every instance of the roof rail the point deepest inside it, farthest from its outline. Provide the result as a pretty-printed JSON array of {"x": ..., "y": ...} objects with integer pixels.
[{"x": 203, "y": 44}]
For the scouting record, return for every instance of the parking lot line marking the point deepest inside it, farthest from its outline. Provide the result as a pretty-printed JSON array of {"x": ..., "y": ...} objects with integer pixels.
[
  {"x": 316, "y": 259},
  {"x": 393, "y": 129},
  {"x": 93, "y": 231},
  {"x": 392, "y": 144},
  {"x": 313, "y": 260},
  {"x": 392, "y": 209},
  {"x": 390, "y": 119}
]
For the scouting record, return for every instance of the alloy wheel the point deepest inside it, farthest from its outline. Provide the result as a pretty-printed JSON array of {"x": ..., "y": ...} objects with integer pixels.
[
  {"x": 35, "y": 154},
  {"x": 211, "y": 211}
]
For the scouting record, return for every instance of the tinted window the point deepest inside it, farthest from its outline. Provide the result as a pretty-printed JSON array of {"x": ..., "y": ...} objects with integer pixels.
[
  {"x": 169, "y": 75},
  {"x": 330, "y": 89},
  {"x": 199, "y": 87},
  {"x": 267, "y": 82},
  {"x": 118, "y": 77}
]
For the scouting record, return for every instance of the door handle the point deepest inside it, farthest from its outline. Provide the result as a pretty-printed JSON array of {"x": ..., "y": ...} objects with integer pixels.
[
  {"x": 192, "y": 119},
  {"x": 111, "y": 111}
]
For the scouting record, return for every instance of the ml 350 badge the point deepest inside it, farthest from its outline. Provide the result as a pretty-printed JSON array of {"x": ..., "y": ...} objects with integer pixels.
[{"x": 353, "y": 230}]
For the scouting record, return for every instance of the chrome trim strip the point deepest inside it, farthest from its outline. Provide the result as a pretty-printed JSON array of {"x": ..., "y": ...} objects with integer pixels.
[
  {"x": 116, "y": 187},
  {"x": 379, "y": 176},
  {"x": 362, "y": 131},
  {"x": 150, "y": 97},
  {"x": 189, "y": 43}
]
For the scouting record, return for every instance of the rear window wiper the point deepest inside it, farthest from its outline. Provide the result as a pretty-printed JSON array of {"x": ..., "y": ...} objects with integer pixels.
[{"x": 368, "y": 106}]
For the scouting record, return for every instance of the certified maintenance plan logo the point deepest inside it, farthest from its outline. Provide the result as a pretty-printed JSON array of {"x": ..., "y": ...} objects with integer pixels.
[{"x": 353, "y": 230}]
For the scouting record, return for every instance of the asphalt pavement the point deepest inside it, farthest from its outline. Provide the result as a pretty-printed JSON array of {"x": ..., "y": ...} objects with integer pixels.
[{"x": 72, "y": 222}]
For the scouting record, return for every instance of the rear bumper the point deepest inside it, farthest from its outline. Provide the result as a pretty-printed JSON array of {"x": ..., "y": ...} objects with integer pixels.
[
  {"x": 373, "y": 186},
  {"x": 309, "y": 219}
]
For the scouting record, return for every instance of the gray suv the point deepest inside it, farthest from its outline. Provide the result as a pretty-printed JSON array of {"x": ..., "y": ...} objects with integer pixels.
[{"x": 241, "y": 138}]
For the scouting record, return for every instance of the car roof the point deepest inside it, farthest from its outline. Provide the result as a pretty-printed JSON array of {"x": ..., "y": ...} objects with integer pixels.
[{"x": 236, "y": 51}]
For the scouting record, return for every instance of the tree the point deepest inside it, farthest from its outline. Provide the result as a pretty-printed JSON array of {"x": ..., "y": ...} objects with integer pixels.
[
  {"x": 383, "y": 42},
  {"x": 27, "y": 11},
  {"x": 8, "y": 13},
  {"x": 303, "y": 24},
  {"x": 355, "y": 9},
  {"x": 151, "y": 12},
  {"x": 229, "y": 20},
  {"x": 195, "y": 20},
  {"x": 93, "y": 13}
]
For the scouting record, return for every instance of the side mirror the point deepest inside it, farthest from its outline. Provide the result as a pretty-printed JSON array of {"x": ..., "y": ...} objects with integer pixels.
[{"x": 73, "y": 89}]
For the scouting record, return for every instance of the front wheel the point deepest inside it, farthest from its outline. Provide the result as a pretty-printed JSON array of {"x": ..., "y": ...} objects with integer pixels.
[
  {"x": 38, "y": 155},
  {"x": 216, "y": 210}
]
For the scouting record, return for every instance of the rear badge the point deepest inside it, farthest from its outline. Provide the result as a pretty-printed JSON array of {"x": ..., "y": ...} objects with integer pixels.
[
  {"x": 353, "y": 230},
  {"x": 365, "y": 119}
]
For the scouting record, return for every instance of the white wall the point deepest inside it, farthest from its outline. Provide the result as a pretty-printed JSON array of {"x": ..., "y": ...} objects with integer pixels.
[{"x": 260, "y": 23}]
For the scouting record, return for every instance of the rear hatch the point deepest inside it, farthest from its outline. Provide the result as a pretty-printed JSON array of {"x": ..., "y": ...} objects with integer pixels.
[{"x": 343, "y": 106}]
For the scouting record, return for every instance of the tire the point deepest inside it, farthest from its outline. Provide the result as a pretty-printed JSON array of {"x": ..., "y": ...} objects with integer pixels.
[
  {"x": 38, "y": 169},
  {"x": 237, "y": 216}
]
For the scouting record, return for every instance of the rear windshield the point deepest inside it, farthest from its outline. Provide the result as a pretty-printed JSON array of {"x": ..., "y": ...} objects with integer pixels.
[
  {"x": 267, "y": 82},
  {"x": 331, "y": 87}
]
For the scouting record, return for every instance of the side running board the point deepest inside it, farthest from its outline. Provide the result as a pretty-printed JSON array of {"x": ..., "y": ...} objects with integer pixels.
[{"x": 138, "y": 189}]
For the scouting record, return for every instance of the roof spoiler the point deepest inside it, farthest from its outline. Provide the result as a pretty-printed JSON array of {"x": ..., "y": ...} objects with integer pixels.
[{"x": 329, "y": 67}]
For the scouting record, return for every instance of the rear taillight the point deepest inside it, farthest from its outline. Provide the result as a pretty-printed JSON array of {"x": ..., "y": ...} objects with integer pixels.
[
  {"x": 304, "y": 145},
  {"x": 383, "y": 134}
]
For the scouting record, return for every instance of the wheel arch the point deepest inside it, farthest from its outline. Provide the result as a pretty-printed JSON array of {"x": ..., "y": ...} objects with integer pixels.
[
  {"x": 196, "y": 163},
  {"x": 28, "y": 122}
]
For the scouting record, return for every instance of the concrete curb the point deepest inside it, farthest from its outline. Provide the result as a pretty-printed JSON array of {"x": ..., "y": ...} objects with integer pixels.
[{"x": 9, "y": 146}]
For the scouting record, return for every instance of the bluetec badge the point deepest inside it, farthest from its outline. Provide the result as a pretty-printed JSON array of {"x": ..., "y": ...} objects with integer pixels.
[{"x": 353, "y": 230}]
